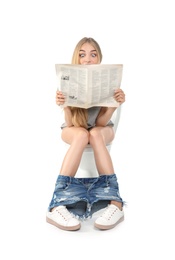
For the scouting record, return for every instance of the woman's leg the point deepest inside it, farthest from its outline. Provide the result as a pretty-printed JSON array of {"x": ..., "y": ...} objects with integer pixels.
[
  {"x": 78, "y": 138},
  {"x": 99, "y": 137},
  {"x": 58, "y": 214}
]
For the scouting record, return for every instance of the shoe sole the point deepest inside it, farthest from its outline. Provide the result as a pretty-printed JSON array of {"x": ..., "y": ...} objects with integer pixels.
[
  {"x": 105, "y": 227},
  {"x": 71, "y": 228}
]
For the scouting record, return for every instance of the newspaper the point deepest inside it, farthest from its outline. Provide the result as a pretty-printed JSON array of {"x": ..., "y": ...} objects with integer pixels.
[{"x": 89, "y": 85}]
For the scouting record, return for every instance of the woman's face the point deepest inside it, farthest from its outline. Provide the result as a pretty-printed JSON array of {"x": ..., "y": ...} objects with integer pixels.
[{"x": 87, "y": 54}]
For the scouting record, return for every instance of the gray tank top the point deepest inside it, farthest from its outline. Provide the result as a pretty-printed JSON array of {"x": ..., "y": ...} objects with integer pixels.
[{"x": 92, "y": 116}]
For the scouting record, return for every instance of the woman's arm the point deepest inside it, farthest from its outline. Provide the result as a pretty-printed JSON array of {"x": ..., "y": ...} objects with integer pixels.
[
  {"x": 106, "y": 112},
  {"x": 60, "y": 99},
  {"x": 104, "y": 116},
  {"x": 68, "y": 116}
]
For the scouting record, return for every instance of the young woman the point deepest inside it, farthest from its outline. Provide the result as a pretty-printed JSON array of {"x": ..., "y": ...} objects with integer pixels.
[{"x": 78, "y": 198}]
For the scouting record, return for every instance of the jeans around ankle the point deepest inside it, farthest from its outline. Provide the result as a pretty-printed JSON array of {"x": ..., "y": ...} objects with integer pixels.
[{"x": 84, "y": 196}]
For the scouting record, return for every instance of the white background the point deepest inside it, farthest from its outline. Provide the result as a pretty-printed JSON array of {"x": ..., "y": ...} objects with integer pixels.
[{"x": 34, "y": 36}]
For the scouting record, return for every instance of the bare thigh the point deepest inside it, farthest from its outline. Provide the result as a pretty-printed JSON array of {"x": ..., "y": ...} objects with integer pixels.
[
  {"x": 70, "y": 134},
  {"x": 106, "y": 132}
]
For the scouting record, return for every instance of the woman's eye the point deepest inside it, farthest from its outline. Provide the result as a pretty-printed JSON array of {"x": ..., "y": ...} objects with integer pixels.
[
  {"x": 81, "y": 55},
  {"x": 94, "y": 55}
]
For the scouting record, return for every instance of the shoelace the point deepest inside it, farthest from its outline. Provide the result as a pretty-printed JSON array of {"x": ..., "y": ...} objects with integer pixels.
[{"x": 64, "y": 213}]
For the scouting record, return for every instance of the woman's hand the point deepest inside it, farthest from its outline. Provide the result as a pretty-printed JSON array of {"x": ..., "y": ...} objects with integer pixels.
[
  {"x": 60, "y": 99},
  {"x": 119, "y": 95}
]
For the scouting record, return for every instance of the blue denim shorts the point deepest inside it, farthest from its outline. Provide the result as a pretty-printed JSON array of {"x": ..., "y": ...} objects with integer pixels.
[{"x": 84, "y": 196}]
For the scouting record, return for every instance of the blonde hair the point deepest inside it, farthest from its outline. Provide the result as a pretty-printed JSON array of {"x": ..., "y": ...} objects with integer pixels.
[
  {"x": 79, "y": 115},
  {"x": 75, "y": 57}
]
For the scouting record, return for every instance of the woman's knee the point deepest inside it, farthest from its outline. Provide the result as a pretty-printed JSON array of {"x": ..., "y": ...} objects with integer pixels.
[
  {"x": 82, "y": 136},
  {"x": 75, "y": 134},
  {"x": 95, "y": 136},
  {"x": 101, "y": 135}
]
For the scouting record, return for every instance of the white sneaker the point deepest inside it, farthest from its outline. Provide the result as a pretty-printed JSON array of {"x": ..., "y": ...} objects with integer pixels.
[
  {"x": 62, "y": 218},
  {"x": 110, "y": 217}
]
